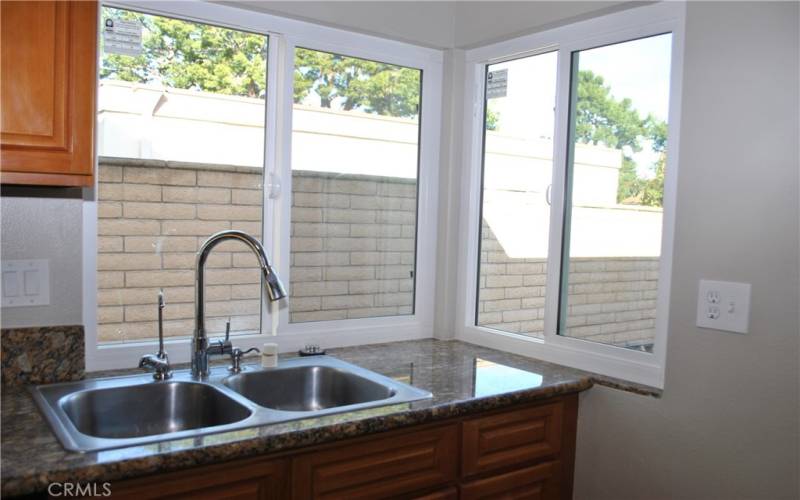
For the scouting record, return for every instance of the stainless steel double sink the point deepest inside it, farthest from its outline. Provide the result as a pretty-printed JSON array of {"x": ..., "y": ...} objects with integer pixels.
[{"x": 101, "y": 414}]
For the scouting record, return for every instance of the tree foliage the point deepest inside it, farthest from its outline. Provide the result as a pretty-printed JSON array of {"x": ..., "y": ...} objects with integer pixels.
[
  {"x": 188, "y": 55},
  {"x": 600, "y": 118},
  {"x": 350, "y": 83}
]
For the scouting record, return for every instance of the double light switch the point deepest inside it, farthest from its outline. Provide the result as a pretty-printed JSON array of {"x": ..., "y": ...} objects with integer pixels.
[{"x": 26, "y": 283}]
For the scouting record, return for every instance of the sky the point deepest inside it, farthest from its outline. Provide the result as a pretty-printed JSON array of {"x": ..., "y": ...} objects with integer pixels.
[{"x": 638, "y": 70}]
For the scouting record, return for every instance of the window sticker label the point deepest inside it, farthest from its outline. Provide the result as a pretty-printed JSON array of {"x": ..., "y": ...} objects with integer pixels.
[
  {"x": 497, "y": 83},
  {"x": 122, "y": 37}
]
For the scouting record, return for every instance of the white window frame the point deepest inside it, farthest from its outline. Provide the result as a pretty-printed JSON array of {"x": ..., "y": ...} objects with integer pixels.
[
  {"x": 284, "y": 35},
  {"x": 635, "y": 366}
]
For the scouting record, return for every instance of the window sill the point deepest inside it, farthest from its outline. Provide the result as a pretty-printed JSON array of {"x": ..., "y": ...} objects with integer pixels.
[{"x": 625, "y": 372}]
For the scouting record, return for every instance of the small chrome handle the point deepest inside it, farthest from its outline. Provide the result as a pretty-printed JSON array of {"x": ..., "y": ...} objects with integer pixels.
[{"x": 547, "y": 194}]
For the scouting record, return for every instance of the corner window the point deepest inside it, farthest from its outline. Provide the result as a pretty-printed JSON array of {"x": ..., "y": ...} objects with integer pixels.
[{"x": 575, "y": 161}]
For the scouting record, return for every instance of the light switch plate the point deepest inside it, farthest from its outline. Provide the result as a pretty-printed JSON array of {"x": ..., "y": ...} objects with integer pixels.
[
  {"x": 26, "y": 283},
  {"x": 723, "y": 305}
]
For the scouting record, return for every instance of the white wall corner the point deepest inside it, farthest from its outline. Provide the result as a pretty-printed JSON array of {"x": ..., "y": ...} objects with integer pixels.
[{"x": 449, "y": 194}]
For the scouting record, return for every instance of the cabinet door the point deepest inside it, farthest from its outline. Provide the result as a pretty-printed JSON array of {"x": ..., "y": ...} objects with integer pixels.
[
  {"x": 540, "y": 482},
  {"x": 47, "y": 92},
  {"x": 512, "y": 438},
  {"x": 244, "y": 480},
  {"x": 379, "y": 468}
]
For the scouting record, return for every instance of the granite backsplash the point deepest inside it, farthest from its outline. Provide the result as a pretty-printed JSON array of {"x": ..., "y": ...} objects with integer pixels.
[{"x": 42, "y": 355}]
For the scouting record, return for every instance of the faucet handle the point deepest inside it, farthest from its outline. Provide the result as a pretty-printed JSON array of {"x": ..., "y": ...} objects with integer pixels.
[{"x": 158, "y": 364}]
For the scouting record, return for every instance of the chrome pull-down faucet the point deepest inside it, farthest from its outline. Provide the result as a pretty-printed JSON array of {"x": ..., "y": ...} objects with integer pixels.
[{"x": 272, "y": 285}]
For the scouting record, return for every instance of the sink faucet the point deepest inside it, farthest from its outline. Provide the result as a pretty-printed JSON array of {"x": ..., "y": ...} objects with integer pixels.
[
  {"x": 158, "y": 363},
  {"x": 201, "y": 349}
]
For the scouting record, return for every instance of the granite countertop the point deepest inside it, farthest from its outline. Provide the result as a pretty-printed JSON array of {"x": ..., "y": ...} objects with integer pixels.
[{"x": 463, "y": 378}]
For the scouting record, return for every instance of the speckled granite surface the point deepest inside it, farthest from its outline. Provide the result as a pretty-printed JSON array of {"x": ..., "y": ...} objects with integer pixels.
[
  {"x": 42, "y": 355},
  {"x": 463, "y": 378}
]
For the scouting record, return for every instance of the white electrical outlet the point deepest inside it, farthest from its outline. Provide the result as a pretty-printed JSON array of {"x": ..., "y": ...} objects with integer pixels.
[
  {"x": 723, "y": 305},
  {"x": 26, "y": 283}
]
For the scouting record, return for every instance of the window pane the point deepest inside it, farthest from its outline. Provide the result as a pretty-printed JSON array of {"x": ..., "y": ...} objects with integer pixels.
[
  {"x": 517, "y": 172},
  {"x": 615, "y": 187},
  {"x": 355, "y": 144},
  {"x": 181, "y": 135}
]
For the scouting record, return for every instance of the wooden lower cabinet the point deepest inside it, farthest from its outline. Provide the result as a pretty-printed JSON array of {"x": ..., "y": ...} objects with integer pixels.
[
  {"x": 525, "y": 451},
  {"x": 249, "y": 479},
  {"x": 539, "y": 482},
  {"x": 379, "y": 468}
]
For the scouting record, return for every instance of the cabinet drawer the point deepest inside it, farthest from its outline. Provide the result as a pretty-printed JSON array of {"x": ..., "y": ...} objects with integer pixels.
[
  {"x": 245, "y": 480},
  {"x": 540, "y": 482},
  {"x": 445, "y": 494},
  {"x": 516, "y": 437},
  {"x": 379, "y": 468}
]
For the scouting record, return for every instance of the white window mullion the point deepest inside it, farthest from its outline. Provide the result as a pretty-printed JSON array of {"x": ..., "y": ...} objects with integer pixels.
[
  {"x": 471, "y": 191},
  {"x": 557, "y": 196},
  {"x": 273, "y": 182},
  {"x": 282, "y": 223}
]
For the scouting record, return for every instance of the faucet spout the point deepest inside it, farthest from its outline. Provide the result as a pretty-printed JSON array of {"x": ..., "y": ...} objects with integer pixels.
[{"x": 272, "y": 285}]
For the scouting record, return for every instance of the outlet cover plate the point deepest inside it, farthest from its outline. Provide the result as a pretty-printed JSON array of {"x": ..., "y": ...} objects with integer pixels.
[{"x": 723, "y": 305}]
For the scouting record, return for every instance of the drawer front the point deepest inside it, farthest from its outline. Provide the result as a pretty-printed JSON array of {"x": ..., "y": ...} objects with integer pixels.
[
  {"x": 516, "y": 437},
  {"x": 379, "y": 468},
  {"x": 445, "y": 494},
  {"x": 540, "y": 482},
  {"x": 242, "y": 480}
]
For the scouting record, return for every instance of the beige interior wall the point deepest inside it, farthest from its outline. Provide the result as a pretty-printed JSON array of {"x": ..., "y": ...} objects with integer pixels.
[
  {"x": 44, "y": 228},
  {"x": 727, "y": 425}
]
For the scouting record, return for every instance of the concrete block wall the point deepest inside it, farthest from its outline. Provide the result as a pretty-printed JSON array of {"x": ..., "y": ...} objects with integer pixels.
[
  {"x": 352, "y": 247},
  {"x": 152, "y": 218},
  {"x": 611, "y": 300},
  {"x": 352, "y": 256}
]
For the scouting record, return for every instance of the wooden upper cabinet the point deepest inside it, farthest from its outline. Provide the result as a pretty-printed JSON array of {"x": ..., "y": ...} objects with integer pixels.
[{"x": 47, "y": 92}]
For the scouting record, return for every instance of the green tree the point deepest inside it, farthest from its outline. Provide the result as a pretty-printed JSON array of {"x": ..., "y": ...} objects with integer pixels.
[
  {"x": 492, "y": 119},
  {"x": 600, "y": 118},
  {"x": 350, "y": 83},
  {"x": 653, "y": 189},
  {"x": 189, "y": 55}
]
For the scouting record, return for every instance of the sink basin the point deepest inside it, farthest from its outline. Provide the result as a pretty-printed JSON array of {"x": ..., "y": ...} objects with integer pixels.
[
  {"x": 108, "y": 413},
  {"x": 150, "y": 409},
  {"x": 308, "y": 388}
]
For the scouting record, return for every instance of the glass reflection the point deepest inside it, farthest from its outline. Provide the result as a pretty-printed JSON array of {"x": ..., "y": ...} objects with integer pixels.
[{"x": 491, "y": 378}]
